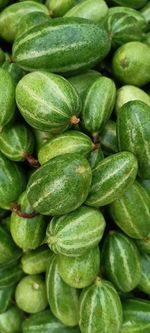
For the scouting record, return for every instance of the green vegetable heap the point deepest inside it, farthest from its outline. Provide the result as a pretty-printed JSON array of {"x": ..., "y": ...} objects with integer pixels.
[{"x": 75, "y": 166}]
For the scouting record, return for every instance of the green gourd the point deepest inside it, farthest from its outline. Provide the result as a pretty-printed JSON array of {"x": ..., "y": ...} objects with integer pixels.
[
  {"x": 76, "y": 233},
  {"x": 144, "y": 244},
  {"x": 10, "y": 274},
  {"x": 36, "y": 261},
  {"x": 27, "y": 233},
  {"x": 121, "y": 261},
  {"x": 30, "y": 294},
  {"x": 11, "y": 320},
  {"x": 136, "y": 316},
  {"x": 8, "y": 250},
  {"x": 60, "y": 7},
  {"x": 47, "y": 101},
  {"x": 80, "y": 272},
  {"x": 131, "y": 3},
  {"x": 130, "y": 93},
  {"x": 111, "y": 178},
  {"x": 131, "y": 212},
  {"x": 133, "y": 123},
  {"x": 12, "y": 182},
  {"x": 100, "y": 308},
  {"x": 63, "y": 299},
  {"x": 48, "y": 189},
  {"x": 6, "y": 295},
  {"x": 95, "y": 10},
  {"x": 95, "y": 157},
  {"x": 30, "y": 21},
  {"x": 108, "y": 138},
  {"x": 144, "y": 284}
]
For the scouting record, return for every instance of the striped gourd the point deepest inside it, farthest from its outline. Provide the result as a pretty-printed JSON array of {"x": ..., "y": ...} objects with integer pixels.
[
  {"x": 30, "y": 294},
  {"x": 60, "y": 7},
  {"x": 144, "y": 244},
  {"x": 14, "y": 70},
  {"x": 10, "y": 274},
  {"x": 7, "y": 98},
  {"x": 95, "y": 10},
  {"x": 16, "y": 142},
  {"x": 41, "y": 137},
  {"x": 146, "y": 38},
  {"x": 27, "y": 233},
  {"x": 63, "y": 299},
  {"x": 131, "y": 212},
  {"x": 11, "y": 320},
  {"x": 131, "y": 65},
  {"x": 136, "y": 315},
  {"x": 125, "y": 25},
  {"x": 30, "y": 21},
  {"x": 47, "y": 101},
  {"x": 36, "y": 261},
  {"x": 121, "y": 261},
  {"x": 12, "y": 182},
  {"x": 144, "y": 284},
  {"x": 83, "y": 43},
  {"x": 45, "y": 322},
  {"x": 83, "y": 81},
  {"x": 100, "y": 308},
  {"x": 111, "y": 178},
  {"x": 8, "y": 250},
  {"x": 146, "y": 13},
  {"x": 133, "y": 134},
  {"x": 130, "y": 93},
  {"x": 80, "y": 272},
  {"x": 13, "y": 14},
  {"x": 60, "y": 185},
  {"x": 6, "y": 295},
  {"x": 68, "y": 142},
  {"x": 95, "y": 157},
  {"x": 146, "y": 184},
  {"x": 98, "y": 104},
  {"x": 108, "y": 139},
  {"x": 74, "y": 234},
  {"x": 3, "y": 3}
]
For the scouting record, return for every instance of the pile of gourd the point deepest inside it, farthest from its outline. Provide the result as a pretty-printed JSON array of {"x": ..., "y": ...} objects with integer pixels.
[{"x": 75, "y": 166}]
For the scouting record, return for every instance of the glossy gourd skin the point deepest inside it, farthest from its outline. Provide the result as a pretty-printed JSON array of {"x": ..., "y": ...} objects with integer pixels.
[
  {"x": 7, "y": 98},
  {"x": 81, "y": 37},
  {"x": 48, "y": 187},
  {"x": 136, "y": 314},
  {"x": 95, "y": 10}
]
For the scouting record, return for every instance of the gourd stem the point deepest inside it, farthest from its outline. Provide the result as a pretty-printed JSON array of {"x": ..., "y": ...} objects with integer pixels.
[
  {"x": 15, "y": 208},
  {"x": 95, "y": 137},
  {"x": 31, "y": 160},
  {"x": 96, "y": 145},
  {"x": 74, "y": 120}
]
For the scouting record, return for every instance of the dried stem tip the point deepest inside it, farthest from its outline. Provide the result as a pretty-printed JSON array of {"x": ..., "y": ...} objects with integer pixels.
[
  {"x": 15, "y": 208},
  {"x": 31, "y": 160},
  {"x": 74, "y": 120}
]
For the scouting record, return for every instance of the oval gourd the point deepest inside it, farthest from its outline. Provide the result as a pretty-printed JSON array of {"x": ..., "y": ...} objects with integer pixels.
[
  {"x": 30, "y": 294},
  {"x": 47, "y": 101},
  {"x": 27, "y": 233},
  {"x": 130, "y": 93},
  {"x": 6, "y": 295},
  {"x": 36, "y": 261},
  {"x": 48, "y": 190},
  {"x": 8, "y": 250},
  {"x": 63, "y": 299},
  {"x": 74, "y": 234},
  {"x": 30, "y": 21},
  {"x": 133, "y": 134},
  {"x": 95, "y": 10},
  {"x": 121, "y": 261},
  {"x": 10, "y": 274},
  {"x": 43, "y": 48},
  {"x": 7, "y": 98},
  {"x": 95, "y": 157},
  {"x": 80, "y": 272},
  {"x": 60, "y": 7},
  {"x": 16, "y": 141},
  {"x": 12, "y": 15},
  {"x": 12, "y": 182},
  {"x": 136, "y": 316},
  {"x": 14, "y": 70},
  {"x": 98, "y": 104},
  {"x": 131, "y": 65},
  {"x": 45, "y": 322},
  {"x": 133, "y": 4},
  {"x": 11, "y": 320},
  {"x": 68, "y": 142},
  {"x": 146, "y": 184},
  {"x": 100, "y": 308},
  {"x": 111, "y": 178},
  {"x": 131, "y": 212},
  {"x": 144, "y": 244},
  {"x": 108, "y": 138},
  {"x": 145, "y": 11},
  {"x": 144, "y": 284}
]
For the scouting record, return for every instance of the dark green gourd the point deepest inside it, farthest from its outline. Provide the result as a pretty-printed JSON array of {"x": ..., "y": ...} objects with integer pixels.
[
  {"x": 12, "y": 182},
  {"x": 63, "y": 299},
  {"x": 76, "y": 233},
  {"x": 6, "y": 295},
  {"x": 7, "y": 98},
  {"x": 36, "y": 261},
  {"x": 136, "y": 316},
  {"x": 48, "y": 190},
  {"x": 16, "y": 142},
  {"x": 83, "y": 43},
  {"x": 11, "y": 320},
  {"x": 131, "y": 212},
  {"x": 111, "y": 178},
  {"x": 28, "y": 233},
  {"x": 100, "y": 308},
  {"x": 8, "y": 250},
  {"x": 10, "y": 274},
  {"x": 144, "y": 284},
  {"x": 133, "y": 134},
  {"x": 121, "y": 261},
  {"x": 108, "y": 138},
  {"x": 47, "y": 101}
]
